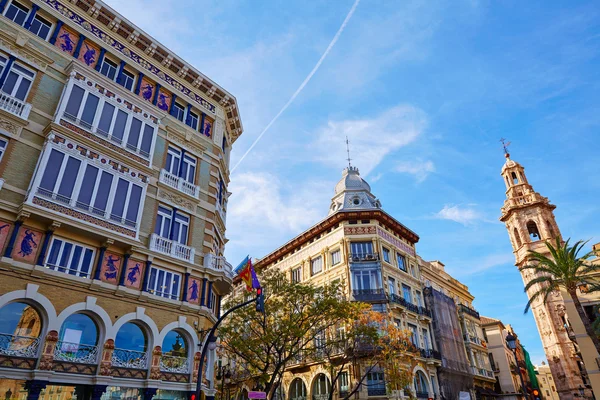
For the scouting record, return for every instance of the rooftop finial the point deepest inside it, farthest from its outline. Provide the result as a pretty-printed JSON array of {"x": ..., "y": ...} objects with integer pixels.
[
  {"x": 505, "y": 145},
  {"x": 348, "y": 151}
]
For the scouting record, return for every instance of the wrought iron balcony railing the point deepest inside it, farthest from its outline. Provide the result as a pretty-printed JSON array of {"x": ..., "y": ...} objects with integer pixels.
[
  {"x": 430, "y": 353},
  {"x": 464, "y": 309},
  {"x": 369, "y": 294},
  {"x": 174, "y": 364},
  {"x": 376, "y": 391},
  {"x": 364, "y": 257},
  {"x": 76, "y": 353},
  {"x": 19, "y": 346},
  {"x": 129, "y": 359}
]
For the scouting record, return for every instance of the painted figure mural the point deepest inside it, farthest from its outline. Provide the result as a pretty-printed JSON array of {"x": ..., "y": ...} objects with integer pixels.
[
  {"x": 133, "y": 274},
  {"x": 162, "y": 102},
  {"x": 111, "y": 270},
  {"x": 193, "y": 290},
  {"x": 28, "y": 243},
  {"x": 89, "y": 56},
  {"x": 207, "y": 127},
  {"x": 147, "y": 91},
  {"x": 66, "y": 43}
]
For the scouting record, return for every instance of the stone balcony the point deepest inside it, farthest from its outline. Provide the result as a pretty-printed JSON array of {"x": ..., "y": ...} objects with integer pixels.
[
  {"x": 172, "y": 248},
  {"x": 177, "y": 182},
  {"x": 14, "y": 106},
  {"x": 219, "y": 264}
]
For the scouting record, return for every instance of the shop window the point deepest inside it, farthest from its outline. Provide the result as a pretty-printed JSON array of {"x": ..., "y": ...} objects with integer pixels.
[
  {"x": 131, "y": 346},
  {"x": 20, "y": 326}
]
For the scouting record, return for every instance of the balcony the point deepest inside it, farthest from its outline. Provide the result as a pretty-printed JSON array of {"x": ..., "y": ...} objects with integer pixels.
[
  {"x": 422, "y": 395},
  {"x": 218, "y": 263},
  {"x": 430, "y": 353},
  {"x": 19, "y": 346},
  {"x": 177, "y": 182},
  {"x": 14, "y": 106},
  {"x": 374, "y": 295},
  {"x": 376, "y": 391},
  {"x": 221, "y": 211},
  {"x": 364, "y": 257},
  {"x": 173, "y": 364},
  {"x": 473, "y": 339},
  {"x": 75, "y": 353},
  {"x": 483, "y": 372},
  {"x": 410, "y": 306},
  {"x": 172, "y": 248},
  {"x": 130, "y": 359},
  {"x": 469, "y": 311}
]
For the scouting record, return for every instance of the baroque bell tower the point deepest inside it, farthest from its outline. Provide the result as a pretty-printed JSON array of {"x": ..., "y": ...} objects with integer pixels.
[{"x": 529, "y": 220}]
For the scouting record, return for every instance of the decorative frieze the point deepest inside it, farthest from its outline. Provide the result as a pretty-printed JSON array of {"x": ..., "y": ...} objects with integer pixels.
[{"x": 175, "y": 200}]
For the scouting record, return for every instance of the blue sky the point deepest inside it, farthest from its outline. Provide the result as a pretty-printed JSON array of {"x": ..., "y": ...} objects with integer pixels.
[{"x": 424, "y": 90}]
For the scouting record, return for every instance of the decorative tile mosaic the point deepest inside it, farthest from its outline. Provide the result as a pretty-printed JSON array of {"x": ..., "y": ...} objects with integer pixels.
[
  {"x": 164, "y": 100},
  {"x": 147, "y": 88},
  {"x": 193, "y": 291},
  {"x": 134, "y": 273},
  {"x": 111, "y": 268},
  {"x": 396, "y": 242},
  {"x": 27, "y": 245},
  {"x": 89, "y": 53},
  {"x": 67, "y": 40},
  {"x": 133, "y": 56},
  {"x": 84, "y": 217}
]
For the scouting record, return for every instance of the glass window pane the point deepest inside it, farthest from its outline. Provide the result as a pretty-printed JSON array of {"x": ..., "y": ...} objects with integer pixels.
[
  {"x": 23, "y": 89},
  {"x": 64, "y": 257},
  {"x": 147, "y": 139},
  {"x": 175, "y": 288},
  {"x": 134, "y": 203},
  {"x": 79, "y": 329},
  {"x": 120, "y": 195},
  {"x": 108, "y": 69},
  {"x": 10, "y": 82},
  {"x": 74, "y": 101},
  {"x": 74, "y": 264},
  {"x": 159, "y": 220},
  {"x": 131, "y": 337},
  {"x": 152, "y": 280},
  {"x": 191, "y": 174},
  {"x": 52, "y": 169},
  {"x": 119, "y": 128},
  {"x": 103, "y": 191},
  {"x": 89, "y": 110},
  {"x": 53, "y": 255},
  {"x": 69, "y": 176},
  {"x": 87, "y": 186},
  {"x": 134, "y": 134},
  {"x": 17, "y": 13},
  {"x": 86, "y": 263},
  {"x": 106, "y": 118}
]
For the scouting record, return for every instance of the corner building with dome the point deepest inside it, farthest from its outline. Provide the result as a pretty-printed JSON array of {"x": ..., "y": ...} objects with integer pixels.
[
  {"x": 375, "y": 255},
  {"x": 114, "y": 168}
]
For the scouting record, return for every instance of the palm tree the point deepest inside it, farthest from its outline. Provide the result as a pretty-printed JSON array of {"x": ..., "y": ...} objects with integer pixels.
[{"x": 563, "y": 269}]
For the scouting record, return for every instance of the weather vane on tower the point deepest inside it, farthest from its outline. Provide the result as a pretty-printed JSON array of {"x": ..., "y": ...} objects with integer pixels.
[
  {"x": 348, "y": 151},
  {"x": 505, "y": 145}
]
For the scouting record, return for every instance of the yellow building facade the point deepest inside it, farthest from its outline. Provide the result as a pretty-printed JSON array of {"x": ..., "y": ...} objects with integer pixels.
[
  {"x": 546, "y": 381},
  {"x": 114, "y": 166}
]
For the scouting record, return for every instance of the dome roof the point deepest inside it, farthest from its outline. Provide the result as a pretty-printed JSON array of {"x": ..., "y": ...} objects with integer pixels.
[
  {"x": 351, "y": 180},
  {"x": 510, "y": 163}
]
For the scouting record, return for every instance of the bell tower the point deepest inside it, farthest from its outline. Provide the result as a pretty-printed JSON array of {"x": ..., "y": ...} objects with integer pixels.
[{"x": 529, "y": 220}]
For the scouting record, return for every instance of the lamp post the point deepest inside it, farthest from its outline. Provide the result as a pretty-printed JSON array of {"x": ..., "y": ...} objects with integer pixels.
[
  {"x": 223, "y": 375},
  {"x": 511, "y": 341}
]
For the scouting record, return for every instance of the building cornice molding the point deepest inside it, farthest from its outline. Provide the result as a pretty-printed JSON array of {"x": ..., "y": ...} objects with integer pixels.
[{"x": 17, "y": 43}]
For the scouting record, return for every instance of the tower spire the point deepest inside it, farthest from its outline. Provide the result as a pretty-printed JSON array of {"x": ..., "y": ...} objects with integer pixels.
[
  {"x": 348, "y": 151},
  {"x": 505, "y": 145}
]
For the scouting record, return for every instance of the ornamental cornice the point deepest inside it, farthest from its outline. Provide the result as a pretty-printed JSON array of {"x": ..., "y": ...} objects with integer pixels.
[
  {"x": 185, "y": 139},
  {"x": 18, "y": 44},
  {"x": 176, "y": 200}
]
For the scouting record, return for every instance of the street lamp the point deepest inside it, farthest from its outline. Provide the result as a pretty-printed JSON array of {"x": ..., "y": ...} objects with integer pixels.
[
  {"x": 511, "y": 341},
  {"x": 223, "y": 375}
]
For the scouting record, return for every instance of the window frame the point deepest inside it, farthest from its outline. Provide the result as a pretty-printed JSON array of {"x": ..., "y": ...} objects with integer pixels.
[
  {"x": 128, "y": 76},
  {"x": 407, "y": 290},
  {"x": 180, "y": 112},
  {"x": 3, "y": 147},
  {"x": 318, "y": 260},
  {"x": 110, "y": 63},
  {"x": 173, "y": 218},
  {"x": 403, "y": 258},
  {"x": 16, "y": 4},
  {"x": 153, "y": 282},
  {"x": 20, "y": 77},
  {"x": 333, "y": 257},
  {"x": 43, "y": 21},
  {"x": 296, "y": 271},
  {"x": 385, "y": 252},
  {"x": 67, "y": 268}
]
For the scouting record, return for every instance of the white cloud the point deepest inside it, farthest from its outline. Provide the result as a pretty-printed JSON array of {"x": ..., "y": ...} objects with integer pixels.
[
  {"x": 420, "y": 169},
  {"x": 370, "y": 139},
  {"x": 462, "y": 215},
  {"x": 485, "y": 263}
]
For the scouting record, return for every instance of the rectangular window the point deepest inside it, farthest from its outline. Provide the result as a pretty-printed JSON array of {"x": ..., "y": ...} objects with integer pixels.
[
  {"x": 164, "y": 283},
  {"x": 344, "y": 382},
  {"x": 70, "y": 258},
  {"x": 366, "y": 280},
  {"x": 193, "y": 119},
  {"x": 386, "y": 254},
  {"x": 108, "y": 69},
  {"x": 188, "y": 169},
  {"x": 406, "y": 293},
  {"x": 360, "y": 250},
  {"x": 376, "y": 382},
  {"x": 413, "y": 270},
  {"x": 316, "y": 265},
  {"x": 173, "y": 161},
  {"x": 178, "y": 111},
  {"x": 18, "y": 82},
  {"x": 419, "y": 298},
  {"x": 3, "y": 144},
  {"x": 297, "y": 275},
  {"x": 98, "y": 115},
  {"x": 391, "y": 286},
  {"x": 17, "y": 12},
  {"x": 40, "y": 27},
  {"x": 401, "y": 261},
  {"x": 164, "y": 218},
  {"x": 414, "y": 334},
  {"x": 335, "y": 257},
  {"x": 172, "y": 225},
  {"x": 426, "y": 342},
  {"x": 97, "y": 190},
  {"x": 128, "y": 79}
]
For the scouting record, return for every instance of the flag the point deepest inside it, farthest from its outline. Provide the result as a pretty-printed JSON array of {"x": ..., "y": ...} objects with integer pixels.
[{"x": 248, "y": 275}]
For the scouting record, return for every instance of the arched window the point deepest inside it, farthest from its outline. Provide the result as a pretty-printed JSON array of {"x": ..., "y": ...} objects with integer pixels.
[
  {"x": 534, "y": 233},
  {"x": 321, "y": 386},
  {"x": 279, "y": 393},
  {"x": 297, "y": 390},
  {"x": 130, "y": 347},
  {"x": 78, "y": 340},
  {"x": 421, "y": 386},
  {"x": 550, "y": 229},
  {"x": 20, "y": 328},
  {"x": 507, "y": 181},
  {"x": 517, "y": 237},
  {"x": 514, "y": 178},
  {"x": 175, "y": 353}
]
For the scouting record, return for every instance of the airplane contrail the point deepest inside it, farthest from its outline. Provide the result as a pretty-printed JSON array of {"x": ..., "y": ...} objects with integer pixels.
[{"x": 303, "y": 84}]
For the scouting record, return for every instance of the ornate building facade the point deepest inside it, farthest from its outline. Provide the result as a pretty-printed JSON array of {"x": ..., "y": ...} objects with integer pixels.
[
  {"x": 529, "y": 219},
  {"x": 114, "y": 166}
]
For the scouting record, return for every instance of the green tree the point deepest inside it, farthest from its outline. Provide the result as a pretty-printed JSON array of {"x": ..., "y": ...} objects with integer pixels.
[
  {"x": 564, "y": 269},
  {"x": 295, "y": 314}
]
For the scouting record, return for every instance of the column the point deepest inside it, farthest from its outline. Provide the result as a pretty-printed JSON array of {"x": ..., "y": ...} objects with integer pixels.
[
  {"x": 124, "y": 269},
  {"x": 138, "y": 84},
  {"x": 208, "y": 303},
  {"x": 146, "y": 275},
  {"x": 13, "y": 238},
  {"x": 44, "y": 249},
  {"x": 173, "y": 98},
  {"x": 78, "y": 47},
  {"x": 31, "y": 16},
  {"x": 100, "y": 59},
  {"x": 99, "y": 263},
  {"x": 156, "y": 89},
  {"x": 186, "y": 283},
  {"x": 203, "y": 296},
  {"x": 120, "y": 72},
  {"x": 34, "y": 387},
  {"x": 54, "y": 36},
  {"x": 188, "y": 117},
  {"x": 7, "y": 67}
]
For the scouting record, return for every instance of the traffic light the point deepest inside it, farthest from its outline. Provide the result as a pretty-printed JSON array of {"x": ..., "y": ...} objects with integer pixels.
[
  {"x": 536, "y": 394},
  {"x": 193, "y": 396},
  {"x": 260, "y": 301}
]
